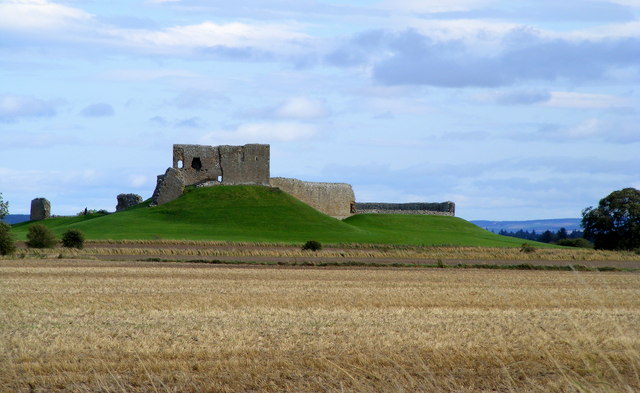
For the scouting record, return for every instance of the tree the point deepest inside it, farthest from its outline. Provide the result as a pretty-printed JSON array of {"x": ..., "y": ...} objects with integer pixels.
[
  {"x": 7, "y": 241},
  {"x": 562, "y": 234},
  {"x": 4, "y": 208},
  {"x": 547, "y": 237},
  {"x": 73, "y": 238},
  {"x": 40, "y": 236},
  {"x": 615, "y": 223}
]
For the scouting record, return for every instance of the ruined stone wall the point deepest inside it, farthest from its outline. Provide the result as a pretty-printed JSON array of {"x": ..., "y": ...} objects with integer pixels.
[
  {"x": 126, "y": 201},
  {"x": 197, "y": 163},
  {"x": 248, "y": 164},
  {"x": 440, "y": 209},
  {"x": 333, "y": 199},
  {"x": 230, "y": 165},
  {"x": 212, "y": 165},
  {"x": 40, "y": 209}
]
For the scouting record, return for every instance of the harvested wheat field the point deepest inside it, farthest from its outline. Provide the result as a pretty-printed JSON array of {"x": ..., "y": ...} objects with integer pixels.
[{"x": 79, "y": 326}]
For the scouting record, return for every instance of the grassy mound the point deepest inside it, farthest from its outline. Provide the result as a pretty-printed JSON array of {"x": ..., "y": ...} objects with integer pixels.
[
  {"x": 263, "y": 214},
  {"x": 428, "y": 230}
]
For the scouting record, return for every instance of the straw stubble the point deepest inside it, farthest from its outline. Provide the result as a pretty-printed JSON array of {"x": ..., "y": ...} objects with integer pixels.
[{"x": 115, "y": 327}]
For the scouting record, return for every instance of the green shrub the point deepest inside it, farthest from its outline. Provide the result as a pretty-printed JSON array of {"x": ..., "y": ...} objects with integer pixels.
[
  {"x": 87, "y": 212},
  {"x": 40, "y": 236},
  {"x": 73, "y": 238},
  {"x": 578, "y": 242},
  {"x": 527, "y": 248},
  {"x": 7, "y": 242},
  {"x": 312, "y": 245}
]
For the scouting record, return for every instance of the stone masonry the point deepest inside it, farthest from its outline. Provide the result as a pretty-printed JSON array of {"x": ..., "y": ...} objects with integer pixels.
[
  {"x": 40, "y": 209},
  {"x": 212, "y": 165},
  {"x": 333, "y": 199},
  {"x": 204, "y": 166},
  {"x": 441, "y": 209},
  {"x": 125, "y": 201}
]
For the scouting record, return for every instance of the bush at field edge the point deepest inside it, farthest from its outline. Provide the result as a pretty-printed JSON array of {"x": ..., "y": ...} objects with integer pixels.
[
  {"x": 73, "y": 238},
  {"x": 39, "y": 236},
  {"x": 7, "y": 241}
]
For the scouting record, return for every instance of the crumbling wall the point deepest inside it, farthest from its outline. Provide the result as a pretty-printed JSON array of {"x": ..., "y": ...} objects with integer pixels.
[
  {"x": 333, "y": 199},
  {"x": 40, "y": 209},
  {"x": 197, "y": 163},
  {"x": 230, "y": 165},
  {"x": 212, "y": 165},
  {"x": 248, "y": 164},
  {"x": 441, "y": 209},
  {"x": 125, "y": 201}
]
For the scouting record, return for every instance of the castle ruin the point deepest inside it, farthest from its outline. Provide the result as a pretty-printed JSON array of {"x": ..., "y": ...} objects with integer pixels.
[
  {"x": 210, "y": 166},
  {"x": 434, "y": 209},
  {"x": 126, "y": 201},
  {"x": 40, "y": 209},
  {"x": 333, "y": 199},
  {"x": 250, "y": 165}
]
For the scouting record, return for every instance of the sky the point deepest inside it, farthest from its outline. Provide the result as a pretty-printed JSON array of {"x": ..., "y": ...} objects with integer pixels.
[{"x": 514, "y": 110}]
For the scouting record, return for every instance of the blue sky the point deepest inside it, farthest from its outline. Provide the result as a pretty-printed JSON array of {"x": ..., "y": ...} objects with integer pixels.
[{"x": 512, "y": 109}]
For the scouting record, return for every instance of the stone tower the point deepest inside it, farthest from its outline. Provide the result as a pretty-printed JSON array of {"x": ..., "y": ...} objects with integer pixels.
[{"x": 40, "y": 209}]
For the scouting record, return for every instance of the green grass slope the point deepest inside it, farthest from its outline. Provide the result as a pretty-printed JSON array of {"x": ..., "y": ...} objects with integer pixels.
[
  {"x": 263, "y": 214},
  {"x": 428, "y": 230}
]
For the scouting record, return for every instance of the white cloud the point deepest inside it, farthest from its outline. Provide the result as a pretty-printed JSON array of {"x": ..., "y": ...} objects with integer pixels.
[
  {"x": 585, "y": 100},
  {"x": 302, "y": 108},
  {"x": 39, "y": 14},
  {"x": 13, "y": 107},
  {"x": 480, "y": 34},
  {"x": 209, "y": 34},
  {"x": 612, "y": 30},
  {"x": 261, "y": 133},
  {"x": 293, "y": 108},
  {"x": 56, "y": 22}
]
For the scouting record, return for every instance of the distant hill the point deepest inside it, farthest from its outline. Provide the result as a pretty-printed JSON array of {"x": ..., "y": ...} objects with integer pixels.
[
  {"x": 553, "y": 225},
  {"x": 16, "y": 218}
]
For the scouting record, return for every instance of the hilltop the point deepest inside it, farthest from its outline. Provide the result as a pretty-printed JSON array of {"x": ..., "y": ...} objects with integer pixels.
[{"x": 264, "y": 214}]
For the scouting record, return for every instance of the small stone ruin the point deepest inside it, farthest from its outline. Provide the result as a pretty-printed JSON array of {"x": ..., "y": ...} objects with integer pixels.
[
  {"x": 40, "y": 209},
  {"x": 125, "y": 201},
  {"x": 435, "y": 209}
]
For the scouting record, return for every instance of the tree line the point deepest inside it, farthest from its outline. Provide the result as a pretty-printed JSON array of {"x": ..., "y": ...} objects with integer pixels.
[{"x": 544, "y": 237}]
